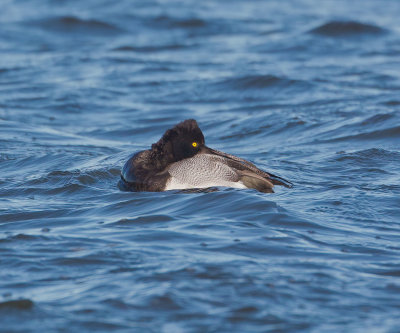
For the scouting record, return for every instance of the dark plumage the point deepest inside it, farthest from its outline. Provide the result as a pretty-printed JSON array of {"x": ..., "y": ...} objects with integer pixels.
[{"x": 181, "y": 160}]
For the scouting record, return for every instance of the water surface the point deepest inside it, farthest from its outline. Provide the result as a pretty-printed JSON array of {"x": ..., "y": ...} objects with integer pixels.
[{"x": 306, "y": 90}]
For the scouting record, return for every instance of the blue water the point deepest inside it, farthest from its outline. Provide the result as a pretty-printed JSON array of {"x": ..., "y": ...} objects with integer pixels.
[{"x": 308, "y": 90}]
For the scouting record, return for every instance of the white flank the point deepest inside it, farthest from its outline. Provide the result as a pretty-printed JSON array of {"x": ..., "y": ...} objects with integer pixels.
[{"x": 202, "y": 171}]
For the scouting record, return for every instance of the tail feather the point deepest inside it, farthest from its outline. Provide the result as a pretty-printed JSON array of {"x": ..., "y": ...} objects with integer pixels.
[{"x": 252, "y": 180}]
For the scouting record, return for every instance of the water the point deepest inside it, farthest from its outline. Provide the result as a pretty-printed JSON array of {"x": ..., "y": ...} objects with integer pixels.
[{"x": 307, "y": 90}]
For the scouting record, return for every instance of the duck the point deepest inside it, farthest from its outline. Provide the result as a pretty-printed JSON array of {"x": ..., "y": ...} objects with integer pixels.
[{"x": 180, "y": 160}]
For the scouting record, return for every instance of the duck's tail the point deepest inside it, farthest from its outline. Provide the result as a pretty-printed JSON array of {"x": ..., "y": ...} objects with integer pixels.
[{"x": 276, "y": 180}]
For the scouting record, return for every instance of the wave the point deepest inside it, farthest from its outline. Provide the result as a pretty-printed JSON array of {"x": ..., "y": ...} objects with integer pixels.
[
  {"x": 380, "y": 126},
  {"x": 71, "y": 24},
  {"x": 252, "y": 87},
  {"x": 180, "y": 23},
  {"x": 194, "y": 26},
  {"x": 346, "y": 28},
  {"x": 391, "y": 103},
  {"x": 380, "y": 117},
  {"x": 149, "y": 48},
  {"x": 366, "y": 156},
  {"x": 19, "y": 304},
  {"x": 257, "y": 82},
  {"x": 387, "y": 133}
]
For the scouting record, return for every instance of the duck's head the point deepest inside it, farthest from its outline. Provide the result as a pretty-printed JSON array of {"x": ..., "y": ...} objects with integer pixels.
[{"x": 182, "y": 141}]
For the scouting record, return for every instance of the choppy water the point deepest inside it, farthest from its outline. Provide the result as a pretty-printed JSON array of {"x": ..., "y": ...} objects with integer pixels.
[{"x": 309, "y": 90}]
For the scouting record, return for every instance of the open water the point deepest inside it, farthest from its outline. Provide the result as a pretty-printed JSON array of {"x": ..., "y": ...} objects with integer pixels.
[{"x": 309, "y": 90}]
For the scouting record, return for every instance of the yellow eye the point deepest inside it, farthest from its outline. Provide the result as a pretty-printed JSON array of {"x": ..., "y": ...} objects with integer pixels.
[{"x": 194, "y": 144}]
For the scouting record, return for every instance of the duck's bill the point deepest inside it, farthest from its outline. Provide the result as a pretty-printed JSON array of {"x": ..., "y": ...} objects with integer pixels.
[{"x": 242, "y": 164}]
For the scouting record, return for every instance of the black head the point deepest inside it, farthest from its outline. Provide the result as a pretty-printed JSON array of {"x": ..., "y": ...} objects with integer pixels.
[{"x": 182, "y": 141}]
